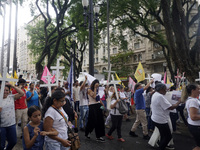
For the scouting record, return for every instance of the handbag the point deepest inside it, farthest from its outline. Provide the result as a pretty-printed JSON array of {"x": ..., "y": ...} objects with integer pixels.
[{"x": 72, "y": 136}]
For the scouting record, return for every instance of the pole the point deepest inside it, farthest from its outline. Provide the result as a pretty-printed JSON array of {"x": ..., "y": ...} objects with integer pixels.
[
  {"x": 15, "y": 44},
  {"x": 9, "y": 36},
  {"x": 3, "y": 35},
  {"x": 91, "y": 38},
  {"x": 108, "y": 34},
  {"x": 74, "y": 55}
]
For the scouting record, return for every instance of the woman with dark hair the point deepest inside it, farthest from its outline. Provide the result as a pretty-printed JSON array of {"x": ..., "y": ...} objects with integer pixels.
[
  {"x": 192, "y": 106},
  {"x": 160, "y": 114},
  {"x": 32, "y": 97},
  {"x": 8, "y": 122},
  {"x": 116, "y": 119},
  {"x": 55, "y": 118},
  {"x": 95, "y": 118}
]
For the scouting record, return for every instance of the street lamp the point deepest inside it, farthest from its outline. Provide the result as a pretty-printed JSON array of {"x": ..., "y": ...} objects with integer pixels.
[{"x": 90, "y": 16}]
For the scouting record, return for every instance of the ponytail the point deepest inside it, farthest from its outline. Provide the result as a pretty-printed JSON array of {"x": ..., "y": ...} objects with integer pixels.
[
  {"x": 184, "y": 94},
  {"x": 187, "y": 91}
]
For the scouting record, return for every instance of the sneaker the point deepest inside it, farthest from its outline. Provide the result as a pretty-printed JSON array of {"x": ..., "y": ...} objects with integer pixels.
[
  {"x": 131, "y": 133},
  {"x": 146, "y": 137},
  {"x": 121, "y": 139},
  {"x": 170, "y": 147},
  {"x": 109, "y": 136},
  {"x": 100, "y": 139}
]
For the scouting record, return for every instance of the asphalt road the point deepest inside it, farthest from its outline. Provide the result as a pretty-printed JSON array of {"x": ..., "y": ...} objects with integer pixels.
[{"x": 183, "y": 141}]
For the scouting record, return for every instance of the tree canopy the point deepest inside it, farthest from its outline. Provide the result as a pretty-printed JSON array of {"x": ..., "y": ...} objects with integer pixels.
[{"x": 173, "y": 24}]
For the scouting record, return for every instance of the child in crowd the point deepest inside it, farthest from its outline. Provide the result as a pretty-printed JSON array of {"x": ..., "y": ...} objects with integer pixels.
[{"x": 33, "y": 138}]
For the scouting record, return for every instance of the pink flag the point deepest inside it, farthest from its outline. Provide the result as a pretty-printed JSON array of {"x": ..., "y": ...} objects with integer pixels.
[
  {"x": 165, "y": 77},
  {"x": 45, "y": 73},
  {"x": 131, "y": 84},
  {"x": 53, "y": 79}
]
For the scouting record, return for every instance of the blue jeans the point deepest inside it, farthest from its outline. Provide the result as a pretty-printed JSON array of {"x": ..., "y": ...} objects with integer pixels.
[
  {"x": 9, "y": 134},
  {"x": 55, "y": 146},
  {"x": 150, "y": 123},
  {"x": 84, "y": 110},
  {"x": 105, "y": 105}
]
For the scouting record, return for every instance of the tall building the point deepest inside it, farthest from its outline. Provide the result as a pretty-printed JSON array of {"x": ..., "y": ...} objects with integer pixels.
[{"x": 24, "y": 56}]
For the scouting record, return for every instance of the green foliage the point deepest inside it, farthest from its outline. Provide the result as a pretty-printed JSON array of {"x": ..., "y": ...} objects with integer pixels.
[{"x": 120, "y": 63}]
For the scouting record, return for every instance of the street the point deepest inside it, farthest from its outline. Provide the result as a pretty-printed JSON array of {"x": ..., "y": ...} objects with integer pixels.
[{"x": 182, "y": 141}]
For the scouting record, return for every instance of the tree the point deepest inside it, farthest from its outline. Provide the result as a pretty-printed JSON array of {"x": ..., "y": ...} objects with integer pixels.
[
  {"x": 180, "y": 46},
  {"x": 120, "y": 63},
  {"x": 54, "y": 37}
]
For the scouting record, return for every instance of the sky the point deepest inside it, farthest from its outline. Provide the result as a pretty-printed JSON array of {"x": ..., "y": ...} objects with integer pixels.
[{"x": 24, "y": 16}]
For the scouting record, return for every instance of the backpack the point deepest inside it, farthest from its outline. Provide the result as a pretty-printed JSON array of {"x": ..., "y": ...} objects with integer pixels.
[{"x": 123, "y": 109}]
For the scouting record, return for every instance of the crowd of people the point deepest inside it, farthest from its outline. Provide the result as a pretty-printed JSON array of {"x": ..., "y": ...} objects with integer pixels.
[{"x": 45, "y": 119}]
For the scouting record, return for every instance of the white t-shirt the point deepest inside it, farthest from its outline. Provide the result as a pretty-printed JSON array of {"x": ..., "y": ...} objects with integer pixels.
[
  {"x": 192, "y": 102},
  {"x": 59, "y": 123},
  {"x": 76, "y": 93},
  {"x": 8, "y": 111},
  {"x": 83, "y": 97},
  {"x": 110, "y": 94},
  {"x": 160, "y": 105},
  {"x": 168, "y": 96},
  {"x": 114, "y": 111},
  {"x": 67, "y": 96}
]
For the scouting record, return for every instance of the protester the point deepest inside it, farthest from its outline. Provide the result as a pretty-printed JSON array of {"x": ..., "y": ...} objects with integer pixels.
[
  {"x": 20, "y": 105},
  {"x": 32, "y": 97},
  {"x": 33, "y": 135},
  {"x": 8, "y": 122},
  {"x": 192, "y": 106},
  {"x": 140, "y": 111},
  {"x": 84, "y": 109},
  {"x": 149, "y": 93},
  {"x": 160, "y": 114},
  {"x": 110, "y": 93},
  {"x": 95, "y": 118},
  {"x": 76, "y": 98},
  {"x": 116, "y": 119},
  {"x": 54, "y": 120},
  {"x": 125, "y": 98}
]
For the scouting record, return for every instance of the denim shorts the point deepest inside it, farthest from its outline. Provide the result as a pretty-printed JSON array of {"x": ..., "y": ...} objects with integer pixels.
[{"x": 55, "y": 146}]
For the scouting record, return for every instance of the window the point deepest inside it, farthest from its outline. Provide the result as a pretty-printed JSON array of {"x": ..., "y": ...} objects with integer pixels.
[
  {"x": 104, "y": 59},
  {"x": 135, "y": 58},
  {"x": 114, "y": 50},
  {"x": 137, "y": 45},
  {"x": 97, "y": 60},
  {"x": 104, "y": 49},
  {"x": 97, "y": 51},
  {"x": 140, "y": 57},
  {"x": 158, "y": 68},
  {"x": 104, "y": 69},
  {"x": 156, "y": 45}
]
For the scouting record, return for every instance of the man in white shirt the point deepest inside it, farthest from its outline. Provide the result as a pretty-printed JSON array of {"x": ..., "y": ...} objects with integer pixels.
[{"x": 76, "y": 97}]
